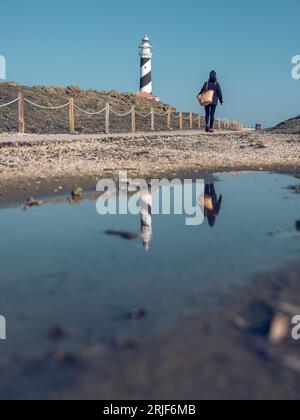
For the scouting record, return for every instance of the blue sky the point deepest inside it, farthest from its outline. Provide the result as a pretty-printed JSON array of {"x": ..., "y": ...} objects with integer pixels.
[{"x": 94, "y": 44}]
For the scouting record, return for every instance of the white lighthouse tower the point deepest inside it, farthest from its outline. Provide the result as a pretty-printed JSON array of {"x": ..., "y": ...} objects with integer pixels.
[{"x": 146, "y": 66}]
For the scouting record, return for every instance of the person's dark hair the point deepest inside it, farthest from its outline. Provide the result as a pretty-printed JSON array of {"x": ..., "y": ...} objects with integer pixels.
[{"x": 213, "y": 77}]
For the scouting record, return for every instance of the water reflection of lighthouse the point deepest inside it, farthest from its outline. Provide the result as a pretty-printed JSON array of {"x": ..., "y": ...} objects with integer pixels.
[{"x": 146, "y": 218}]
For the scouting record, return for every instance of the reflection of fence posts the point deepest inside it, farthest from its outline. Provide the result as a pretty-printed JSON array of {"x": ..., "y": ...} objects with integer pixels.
[
  {"x": 21, "y": 114},
  {"x": 72, "y": 116}
]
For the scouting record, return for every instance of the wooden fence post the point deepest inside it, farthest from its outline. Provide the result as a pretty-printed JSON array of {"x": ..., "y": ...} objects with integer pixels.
[
  {"x": 107, "y": 118},
  {"x": 152, "y": 120},
  {"x": 191, "y": 120},
  {"x": 71, "y": 116},
  {"x": 199, "y": 122},
  {"x": 133, "y": 120},
  {"x": 169, "y": 123},
  {"x": 180, "y": 121},
  {"x": 21, "y": 114}
]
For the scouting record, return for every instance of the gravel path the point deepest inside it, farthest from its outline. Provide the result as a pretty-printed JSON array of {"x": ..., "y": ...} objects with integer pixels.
[
  {"x": 12, "y": 139},
  {"x": 46, "y": 164}
]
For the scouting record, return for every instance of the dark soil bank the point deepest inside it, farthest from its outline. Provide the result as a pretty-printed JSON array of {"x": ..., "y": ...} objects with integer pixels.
[{"x": 291, "y": 126}]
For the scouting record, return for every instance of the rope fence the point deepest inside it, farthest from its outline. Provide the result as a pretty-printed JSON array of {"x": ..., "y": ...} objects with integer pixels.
[{"x": 195, "y": 121}]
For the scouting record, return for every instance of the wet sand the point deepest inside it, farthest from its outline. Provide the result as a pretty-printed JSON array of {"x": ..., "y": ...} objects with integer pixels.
[
  {"x": 42, "y": 165},
  {"x": 223, "y": 354},
  {"x": 218, "y": 354}
]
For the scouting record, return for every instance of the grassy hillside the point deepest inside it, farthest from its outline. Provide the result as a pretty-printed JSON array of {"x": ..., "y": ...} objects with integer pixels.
[
  {"x": 291, "y": 126},
  {"x": 56, "y": 121}
]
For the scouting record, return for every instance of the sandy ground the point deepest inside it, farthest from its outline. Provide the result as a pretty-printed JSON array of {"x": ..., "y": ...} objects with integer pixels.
[{"x": 36, "y": 165}]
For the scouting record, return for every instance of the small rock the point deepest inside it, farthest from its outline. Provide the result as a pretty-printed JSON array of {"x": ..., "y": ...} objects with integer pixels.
[
  {"x": 258, "y": 317},
  {"x": 295, "y": 188},
  {"x": 292, "y": 362},
  {"x": 137, "y": 314},
  {"x": 125, "y": 344},
  {"x": 66, "y": 357},
  {"x": 279, "y": 329},
  {"x": 289, "y": 309},
  {"x": 77, "y": 192},
  {"x": 72, "y": 89},
  {"x": 124, "y": 235},
  {"x": 30, "y": 202},
  {"x": 241, "y": 323},
  {"x": 92, "y": 352},
  {"x": 57, "y": 333}
]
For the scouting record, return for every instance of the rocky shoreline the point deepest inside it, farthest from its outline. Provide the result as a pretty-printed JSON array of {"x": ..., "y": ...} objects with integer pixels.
[{"x": 48, "y": 165}]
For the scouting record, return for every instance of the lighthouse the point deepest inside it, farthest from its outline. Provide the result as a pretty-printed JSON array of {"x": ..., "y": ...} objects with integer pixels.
[{"x": 146, "y": 66}]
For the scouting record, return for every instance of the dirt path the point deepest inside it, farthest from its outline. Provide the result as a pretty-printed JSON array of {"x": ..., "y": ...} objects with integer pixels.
[{"x": 12, "y": 139}]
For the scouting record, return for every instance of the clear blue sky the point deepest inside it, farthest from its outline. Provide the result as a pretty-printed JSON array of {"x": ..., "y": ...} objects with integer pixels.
[{"x": 94, "y": 44}]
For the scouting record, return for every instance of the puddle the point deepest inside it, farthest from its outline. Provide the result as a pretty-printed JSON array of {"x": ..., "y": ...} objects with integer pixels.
[{"x": 66, "y": 265}]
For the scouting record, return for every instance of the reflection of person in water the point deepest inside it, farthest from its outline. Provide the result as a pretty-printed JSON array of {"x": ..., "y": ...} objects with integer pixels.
[
  {"x": 210, "y": 204},
  {"x": 146, "y": 217}
]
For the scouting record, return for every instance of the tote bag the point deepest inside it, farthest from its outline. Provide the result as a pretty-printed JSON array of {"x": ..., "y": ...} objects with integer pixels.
[{"x": 207, "y": 97}]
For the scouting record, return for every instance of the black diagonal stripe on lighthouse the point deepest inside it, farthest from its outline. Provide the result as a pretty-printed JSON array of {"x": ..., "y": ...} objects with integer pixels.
[
  {"x": 145, "y": 61},
  {"x": 146, "y": 80}
]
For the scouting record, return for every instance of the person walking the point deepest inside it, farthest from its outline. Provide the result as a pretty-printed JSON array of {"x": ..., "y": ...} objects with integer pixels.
[{"x": 210, "y": 110}]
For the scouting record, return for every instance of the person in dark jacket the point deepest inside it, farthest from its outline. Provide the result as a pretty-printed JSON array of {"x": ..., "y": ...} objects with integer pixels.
[{"x": 210, "y": 110}]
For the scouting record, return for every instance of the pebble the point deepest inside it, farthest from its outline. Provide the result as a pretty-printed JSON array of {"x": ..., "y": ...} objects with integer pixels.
[
  {"x": 30, "y": 202},
  {"x": 137, "y": 314},
  {"x": 125, "y": 344},
  {"x": 57, "y": 333},
  {"x": 122, "y": 234},
  {"x": 77, "y": 192},
  {"x": 279, "y": 329}
]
